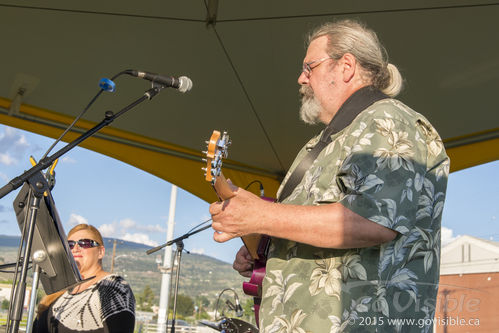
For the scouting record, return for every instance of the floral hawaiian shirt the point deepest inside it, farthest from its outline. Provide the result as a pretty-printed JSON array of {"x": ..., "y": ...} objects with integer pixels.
[{"x": 389, "y": 166}]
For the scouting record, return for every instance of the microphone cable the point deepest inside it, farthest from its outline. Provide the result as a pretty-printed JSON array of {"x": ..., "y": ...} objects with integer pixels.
[
  {"x": 236, "y": 308},
  {"x": 262, "y": 192},
  {"x": 199, "y": 225},
  {"x": 106, "y": 85}
]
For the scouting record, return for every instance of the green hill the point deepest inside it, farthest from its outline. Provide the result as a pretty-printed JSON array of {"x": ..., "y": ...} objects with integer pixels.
[{"x": 199, "y": 274}]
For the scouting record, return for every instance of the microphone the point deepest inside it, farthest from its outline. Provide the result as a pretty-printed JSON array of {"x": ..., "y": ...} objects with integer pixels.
[
  {"x": 236, "y": 308},
  {"x": 239, "y": 309},
  {"x": 183, "y": 83}
]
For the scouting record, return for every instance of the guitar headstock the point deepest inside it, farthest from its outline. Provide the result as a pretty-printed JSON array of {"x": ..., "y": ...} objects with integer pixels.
[{"x": 216, "y": 151}]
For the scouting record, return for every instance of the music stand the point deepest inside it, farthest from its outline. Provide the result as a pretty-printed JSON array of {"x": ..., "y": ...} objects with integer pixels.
[
  {"x": 50, "y": 248},
  {"x": 45, "y": 245}
]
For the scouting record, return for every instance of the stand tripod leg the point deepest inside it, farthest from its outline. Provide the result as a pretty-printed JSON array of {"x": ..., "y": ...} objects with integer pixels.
[
  {"x": 32, "y": 301},
  {"x": 17, "y": 310},
  {"x": 180, "y": 248}
]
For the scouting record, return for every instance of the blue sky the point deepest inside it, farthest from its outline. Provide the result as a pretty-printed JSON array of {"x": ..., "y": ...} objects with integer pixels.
[{"x": 127, "y": 203}]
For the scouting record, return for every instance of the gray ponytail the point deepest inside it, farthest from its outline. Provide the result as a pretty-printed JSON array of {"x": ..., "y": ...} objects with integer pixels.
[{"x": 348, "y": 36}]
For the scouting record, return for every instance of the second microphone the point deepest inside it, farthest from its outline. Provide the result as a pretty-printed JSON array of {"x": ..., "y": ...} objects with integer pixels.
[{"x": 183, "y": 83}]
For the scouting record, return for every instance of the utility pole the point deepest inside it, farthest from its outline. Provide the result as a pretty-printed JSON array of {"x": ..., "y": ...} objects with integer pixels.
[
  {"x": 166, "y": 270},
  {"x": 112, "y": 258}
]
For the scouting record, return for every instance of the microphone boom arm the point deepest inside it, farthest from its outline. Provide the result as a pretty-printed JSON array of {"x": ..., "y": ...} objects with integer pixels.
[{"x": 171, "y": 242}]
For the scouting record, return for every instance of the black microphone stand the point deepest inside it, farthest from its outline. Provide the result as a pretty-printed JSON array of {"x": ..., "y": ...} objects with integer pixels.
[
  {"x": 38, "y": 185},
  {"x": 187, "y": 235},
  {"x": 178, "y": 256}
]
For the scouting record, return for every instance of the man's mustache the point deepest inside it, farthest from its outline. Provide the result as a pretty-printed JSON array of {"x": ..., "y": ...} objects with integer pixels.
[{"x": 306, "y": 92}]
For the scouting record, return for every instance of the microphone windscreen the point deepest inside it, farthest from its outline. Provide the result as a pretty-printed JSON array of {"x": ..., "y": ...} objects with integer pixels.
[{"x": 185, "y": 84}]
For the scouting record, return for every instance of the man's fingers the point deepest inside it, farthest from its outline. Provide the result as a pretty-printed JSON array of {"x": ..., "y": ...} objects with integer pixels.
[
  {"x": 243, "y": 262},
  {"x": 222, "y": 237},
  {"x": 242, "y": 266},
  {"x": 216, "y": 207},
  {"x": 246, "y": 273},
  {"x": 232, "y": 186}
]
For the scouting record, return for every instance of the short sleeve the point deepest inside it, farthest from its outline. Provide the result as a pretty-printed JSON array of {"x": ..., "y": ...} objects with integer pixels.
[
  {"x": 378, "y": 177},
  {"x": 116, "y": 296}
]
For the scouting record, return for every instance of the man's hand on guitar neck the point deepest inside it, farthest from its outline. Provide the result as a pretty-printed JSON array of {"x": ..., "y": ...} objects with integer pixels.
[
  {"x": 243, "y": 262},
  {"x": 237, "y": 216}
]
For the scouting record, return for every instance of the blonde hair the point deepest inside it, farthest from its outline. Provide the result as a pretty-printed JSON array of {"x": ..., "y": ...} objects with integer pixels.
[
  {"x": 50, "y": 298},
  {"x": 90, "y": 228},
  {"x": 349, "y": 36}
]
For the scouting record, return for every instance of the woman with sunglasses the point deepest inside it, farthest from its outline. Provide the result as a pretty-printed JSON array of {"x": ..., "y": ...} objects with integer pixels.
[{"x": 104, "y": 303}]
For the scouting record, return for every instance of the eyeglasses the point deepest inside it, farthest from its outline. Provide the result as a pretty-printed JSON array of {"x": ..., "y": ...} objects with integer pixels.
[
  {"x": 307, "y": 66},
  {"x": 83, "y": 243}
]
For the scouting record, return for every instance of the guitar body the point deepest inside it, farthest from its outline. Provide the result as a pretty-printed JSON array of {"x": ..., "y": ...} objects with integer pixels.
[{"x": 254, "y": 286}]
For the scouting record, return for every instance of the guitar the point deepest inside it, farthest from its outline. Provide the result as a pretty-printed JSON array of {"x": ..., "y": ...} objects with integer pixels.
[{"x": 256, "y": 244}]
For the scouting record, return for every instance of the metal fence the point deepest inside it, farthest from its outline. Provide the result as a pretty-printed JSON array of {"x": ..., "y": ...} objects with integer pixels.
[{"x": 151, "y": 327}]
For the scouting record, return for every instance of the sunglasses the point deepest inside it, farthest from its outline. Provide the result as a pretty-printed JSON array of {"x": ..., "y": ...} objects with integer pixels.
[{"x": 83, "y": 243}]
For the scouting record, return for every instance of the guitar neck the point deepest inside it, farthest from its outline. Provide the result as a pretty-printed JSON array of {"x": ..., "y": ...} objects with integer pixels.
[
  {"x": 224, "y": 192},
  {"x": 223, "y": 188}
]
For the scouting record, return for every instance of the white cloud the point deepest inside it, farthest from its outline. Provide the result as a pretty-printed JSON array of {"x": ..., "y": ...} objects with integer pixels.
[
  {"x": 197, "y": 251},
  {"x": 67, "y": 159},
  {"x": 13, "y": 145},
  {"x": 447, "y": 236},
  {"x": 116, "y": 229},
  {"x": 128, "y": 223},
  {"x": 22, "y": 142},
  {"x": 75, "y": 219},
  {"x": 7, "y": 159},
  {"x": 129, "y": 230},
  {"x": 4, "y": 177},
  {"x": 151, "y": 228},
  {"x": 108, "y": 230},
  {"x": 139, "y": 238},
  {"x": 10, "y": 131}
]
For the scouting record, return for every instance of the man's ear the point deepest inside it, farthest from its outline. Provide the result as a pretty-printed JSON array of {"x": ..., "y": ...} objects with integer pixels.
[{"x": 349, "y": 66}]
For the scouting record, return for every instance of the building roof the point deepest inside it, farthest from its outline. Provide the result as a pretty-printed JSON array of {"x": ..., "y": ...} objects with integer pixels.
[{"x": 468, "y": 254}]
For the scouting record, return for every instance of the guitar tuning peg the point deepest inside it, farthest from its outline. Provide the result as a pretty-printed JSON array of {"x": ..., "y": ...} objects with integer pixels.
[
  {"x": 204, "y": 169},
  {"x": 205, "y": 152},
  {"x": 204, "y": 160},
  {"x": 207, "y": 142}
]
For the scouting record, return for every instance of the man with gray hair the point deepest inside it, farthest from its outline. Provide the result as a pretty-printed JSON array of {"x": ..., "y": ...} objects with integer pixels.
[{"x": 355, "y": 235}]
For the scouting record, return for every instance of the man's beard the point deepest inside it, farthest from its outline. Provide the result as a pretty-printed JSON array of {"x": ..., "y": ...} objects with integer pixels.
[{"x": 310, "y": 107}]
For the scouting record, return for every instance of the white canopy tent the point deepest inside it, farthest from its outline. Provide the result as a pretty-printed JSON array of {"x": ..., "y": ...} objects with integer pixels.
[{"x": 244, "y": 58}]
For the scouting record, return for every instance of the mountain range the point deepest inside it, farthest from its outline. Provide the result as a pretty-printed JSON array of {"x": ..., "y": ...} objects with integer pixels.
[{"x": 200, "y": 275}]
